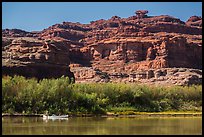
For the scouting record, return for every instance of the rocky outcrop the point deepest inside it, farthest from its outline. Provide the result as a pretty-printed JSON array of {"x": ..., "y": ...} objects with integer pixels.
[
  {"x": 163, "y": 76},
  {"x": 36, "y": 59},
  {"x": 66, "y": 30},
  {"x": 119, "y": 49},
  {"x": 147, "y": 54},
  {"x": 194, "y": 21},
  {"x": 172, "y": 28},
  {"x": 65, "y": 34},
  {"x": 141, "y": 13},
  {"x": 18, "y": 33}
]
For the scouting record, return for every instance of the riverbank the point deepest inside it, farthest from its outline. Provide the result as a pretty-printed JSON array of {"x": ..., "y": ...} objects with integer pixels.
[
  {"x": 111, "y": 114},
  {"x": 61, "y": 96}
]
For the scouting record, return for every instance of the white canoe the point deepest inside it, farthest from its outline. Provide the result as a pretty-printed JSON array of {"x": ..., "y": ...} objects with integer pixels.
[{"x": 55, "y": 117}]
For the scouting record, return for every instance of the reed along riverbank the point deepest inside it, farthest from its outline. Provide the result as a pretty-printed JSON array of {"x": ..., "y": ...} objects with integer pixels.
[{"x": 61, "y": 96}]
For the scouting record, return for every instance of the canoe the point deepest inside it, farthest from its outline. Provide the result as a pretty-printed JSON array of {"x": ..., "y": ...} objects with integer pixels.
[{"x": 55, "y": 117}]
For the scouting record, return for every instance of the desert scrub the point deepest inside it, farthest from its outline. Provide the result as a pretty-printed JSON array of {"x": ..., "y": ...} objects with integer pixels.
[{"x": 61, "y": 96}]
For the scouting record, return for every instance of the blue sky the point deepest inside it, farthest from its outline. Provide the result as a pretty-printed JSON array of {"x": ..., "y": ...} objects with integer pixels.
[{"x": 36, "y": 16}]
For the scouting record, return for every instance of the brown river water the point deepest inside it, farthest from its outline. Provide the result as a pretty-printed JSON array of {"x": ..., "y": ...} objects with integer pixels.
[{"x": 102, "y": 126}]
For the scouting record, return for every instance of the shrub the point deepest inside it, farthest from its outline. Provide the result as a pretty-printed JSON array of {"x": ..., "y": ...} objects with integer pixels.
[{"x": 61, "y": 96}]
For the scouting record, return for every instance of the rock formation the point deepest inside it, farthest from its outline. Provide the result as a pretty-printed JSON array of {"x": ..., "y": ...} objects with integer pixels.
[
  {"x": 141, "y": 13},
  {"x": 49, "y": 59},
  {"x": 194, "y": 21},
  {"x": 148, "y": 49}
]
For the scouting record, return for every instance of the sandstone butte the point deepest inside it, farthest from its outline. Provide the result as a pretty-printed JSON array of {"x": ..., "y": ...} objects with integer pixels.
[{"x": 160, "y": 50}]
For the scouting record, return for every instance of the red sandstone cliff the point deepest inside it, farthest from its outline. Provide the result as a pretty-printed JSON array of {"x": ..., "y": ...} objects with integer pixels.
[{"x": 106, "y": 50}]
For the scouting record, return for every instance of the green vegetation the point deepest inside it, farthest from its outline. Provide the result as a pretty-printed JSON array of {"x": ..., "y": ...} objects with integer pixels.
[{"x": 61, "y": 96}]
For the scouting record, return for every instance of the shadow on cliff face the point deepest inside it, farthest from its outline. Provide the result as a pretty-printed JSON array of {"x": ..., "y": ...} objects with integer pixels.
[{"x": 37, "y": 72}]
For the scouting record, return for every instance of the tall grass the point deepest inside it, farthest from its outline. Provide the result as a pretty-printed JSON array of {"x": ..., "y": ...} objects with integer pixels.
[{"x": 61, "y": 96}]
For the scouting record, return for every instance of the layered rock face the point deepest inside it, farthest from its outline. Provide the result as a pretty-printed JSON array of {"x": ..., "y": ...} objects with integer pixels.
[
  {"x": 36, "y": 59},
  {"x": 18, "y": 33},
  {"x": 162, "y": 76},
  {"x": 117, "y": 49},
  {"x": 194, "y": 21}
]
